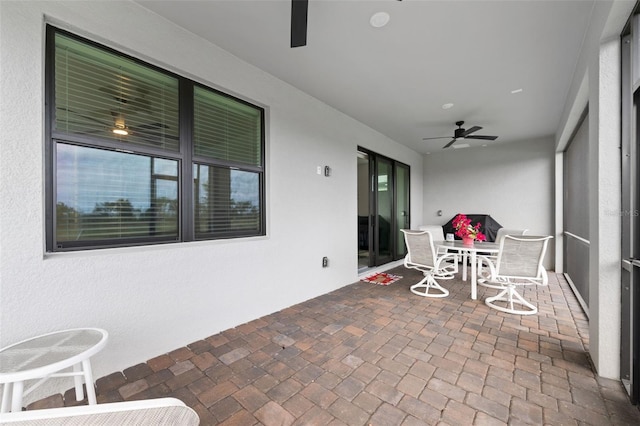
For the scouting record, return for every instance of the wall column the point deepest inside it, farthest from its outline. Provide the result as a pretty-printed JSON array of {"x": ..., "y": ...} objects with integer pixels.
[{"x": 604, "y": 204}]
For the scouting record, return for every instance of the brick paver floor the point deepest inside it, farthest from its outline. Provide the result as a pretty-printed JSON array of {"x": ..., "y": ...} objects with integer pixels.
[{"x": 379, "y": 355}]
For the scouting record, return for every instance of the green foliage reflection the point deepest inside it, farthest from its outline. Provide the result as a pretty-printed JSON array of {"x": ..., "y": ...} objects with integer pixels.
[{"x": 117, "y": 219}]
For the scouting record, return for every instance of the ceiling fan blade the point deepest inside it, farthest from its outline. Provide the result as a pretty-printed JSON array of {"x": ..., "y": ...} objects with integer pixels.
[
  {"x": 471, "y": 130},
  {"x": 487, "y": 138},
  {"x": 152, "y": 126},
  {"x": 86, "y": 117},
  {"x": 450, "y": 143},
  {"x": 299, "y": 22},
  {"x": 151, "y": 136},
  {"x": 441, "y": 137}
]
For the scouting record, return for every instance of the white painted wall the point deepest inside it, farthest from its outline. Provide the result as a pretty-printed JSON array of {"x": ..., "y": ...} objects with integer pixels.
[
  {"x": 156, "y": 299},
  {"x": 604, "y": 204},
  {"x": 514, "y": 183}
]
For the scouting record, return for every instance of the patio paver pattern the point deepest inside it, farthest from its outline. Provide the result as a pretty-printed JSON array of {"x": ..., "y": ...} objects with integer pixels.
[{"x": 379, "y": 355}]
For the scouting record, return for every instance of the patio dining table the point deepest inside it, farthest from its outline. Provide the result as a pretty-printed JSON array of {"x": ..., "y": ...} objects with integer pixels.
[{"x": 472, "y": 252}]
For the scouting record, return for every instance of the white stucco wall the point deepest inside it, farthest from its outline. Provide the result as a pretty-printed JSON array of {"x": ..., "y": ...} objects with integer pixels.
[
  {"x": 604, "y": 204},
  {"x": 156, "y": 299},
  {"x": 514, "y": 183}
]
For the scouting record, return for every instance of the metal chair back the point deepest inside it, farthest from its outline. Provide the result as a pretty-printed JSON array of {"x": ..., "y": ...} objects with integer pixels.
[
  {"x": 521, "y": 257},
  {"x": 504, "y": 231},
  {"x": 420, "y": 248}
]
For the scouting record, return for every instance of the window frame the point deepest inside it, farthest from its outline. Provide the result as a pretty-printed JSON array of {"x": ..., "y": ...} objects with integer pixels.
[{"x": 184, "y": 156}]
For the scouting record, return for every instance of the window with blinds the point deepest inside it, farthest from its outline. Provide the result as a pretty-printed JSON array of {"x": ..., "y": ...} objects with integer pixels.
[
  {"x": 225, "y": 129},
  {"x": 226, "y": 201},
  {"x": 121, "y": 170},
  {"x": 107, "y": 195},
  {"x": 101, "y": 94}
]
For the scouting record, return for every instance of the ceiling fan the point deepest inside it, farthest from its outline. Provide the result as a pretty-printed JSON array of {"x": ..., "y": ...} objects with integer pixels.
[
  {"x": 123, "y": 111},
  {"x": 461, "y": 133}
]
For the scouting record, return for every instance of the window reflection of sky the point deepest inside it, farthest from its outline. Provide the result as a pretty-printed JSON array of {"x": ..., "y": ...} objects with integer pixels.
[
  {"x": 244, "y": 187},
  {"x": 87, "y": 177}
]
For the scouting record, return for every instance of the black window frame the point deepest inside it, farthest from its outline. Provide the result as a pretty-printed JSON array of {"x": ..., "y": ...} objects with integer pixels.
[{"x": 185, "y": 157}]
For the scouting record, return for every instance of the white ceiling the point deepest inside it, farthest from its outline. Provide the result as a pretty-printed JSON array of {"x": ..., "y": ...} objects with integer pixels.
[{"x": 395, "y": 79}]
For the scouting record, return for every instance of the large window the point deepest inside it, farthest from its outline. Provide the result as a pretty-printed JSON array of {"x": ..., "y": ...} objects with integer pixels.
[{"x": 137, "y": 155}]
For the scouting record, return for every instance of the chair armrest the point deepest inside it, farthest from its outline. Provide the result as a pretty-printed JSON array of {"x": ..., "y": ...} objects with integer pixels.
[
  {"x": 488, "y": 260},
  {"x": 441, "y": 258},
  {"x": 161, "y": 411}
]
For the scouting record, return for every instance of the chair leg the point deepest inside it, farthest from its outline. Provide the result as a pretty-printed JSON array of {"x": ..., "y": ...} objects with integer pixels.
[
  {"x": 510, "y": 296},
  {"x": 427, "y": 283}
]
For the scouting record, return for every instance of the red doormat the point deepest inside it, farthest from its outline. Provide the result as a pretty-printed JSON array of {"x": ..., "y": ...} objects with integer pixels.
[{"x": 381, "y": 278}]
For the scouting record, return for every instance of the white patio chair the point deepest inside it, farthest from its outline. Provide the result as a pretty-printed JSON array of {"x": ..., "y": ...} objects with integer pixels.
[
  {"x": 152, "y": 412},
  {"x": 482, "y": 280},
  {"x": 422, "y": 255},
  {"x": 519, "y": 263},
  {"x": 450, "y": 265}
]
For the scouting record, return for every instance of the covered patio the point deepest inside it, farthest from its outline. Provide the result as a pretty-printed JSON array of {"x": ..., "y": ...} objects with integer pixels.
[
  {"x": 290, "y": 340},
  {"x": 367, "y": 354}
]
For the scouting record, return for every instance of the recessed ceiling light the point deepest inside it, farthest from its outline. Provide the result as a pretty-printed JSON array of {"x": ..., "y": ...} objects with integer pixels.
[
  {"x": 379, "y": 19},
  {"x": 513, "y": 92},
  {"x": 447, "y": 106}
]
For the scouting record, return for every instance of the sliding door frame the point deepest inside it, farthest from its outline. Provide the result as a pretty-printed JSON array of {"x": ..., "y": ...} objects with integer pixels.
[{"x": 397, "y": 250}]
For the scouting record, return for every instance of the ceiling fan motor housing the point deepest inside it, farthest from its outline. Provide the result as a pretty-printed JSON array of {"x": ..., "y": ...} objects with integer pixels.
[{"x": 459, "y": 132}]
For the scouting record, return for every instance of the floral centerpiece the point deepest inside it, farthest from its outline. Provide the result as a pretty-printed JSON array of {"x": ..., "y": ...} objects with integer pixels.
[{"x": 467, "y": 231}]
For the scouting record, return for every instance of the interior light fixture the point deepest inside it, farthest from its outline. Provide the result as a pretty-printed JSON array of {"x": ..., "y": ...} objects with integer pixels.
[
  {"x": 513, "y": 92},
  {"x": 379, "y": 19},
  {"x": 447, "y": 106},
  {"x": 120, "y": 128},
  {"x": 121, "y": 132}
]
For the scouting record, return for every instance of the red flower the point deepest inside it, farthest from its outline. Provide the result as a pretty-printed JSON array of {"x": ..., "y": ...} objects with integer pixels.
[{"x": 464, "y": 228}]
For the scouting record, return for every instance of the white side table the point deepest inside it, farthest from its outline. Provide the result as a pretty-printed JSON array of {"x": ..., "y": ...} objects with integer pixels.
[{"x": 46, "y": 356}]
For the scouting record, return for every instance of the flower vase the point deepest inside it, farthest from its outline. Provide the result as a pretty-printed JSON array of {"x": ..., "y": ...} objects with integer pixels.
[{"x": 467, "y": 241}]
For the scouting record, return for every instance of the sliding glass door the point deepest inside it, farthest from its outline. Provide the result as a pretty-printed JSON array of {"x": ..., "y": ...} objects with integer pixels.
[{"x": 383, "y": 209}]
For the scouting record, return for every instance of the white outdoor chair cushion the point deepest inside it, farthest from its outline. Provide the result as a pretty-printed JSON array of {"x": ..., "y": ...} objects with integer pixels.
[{"x": 152, "y": 412}]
